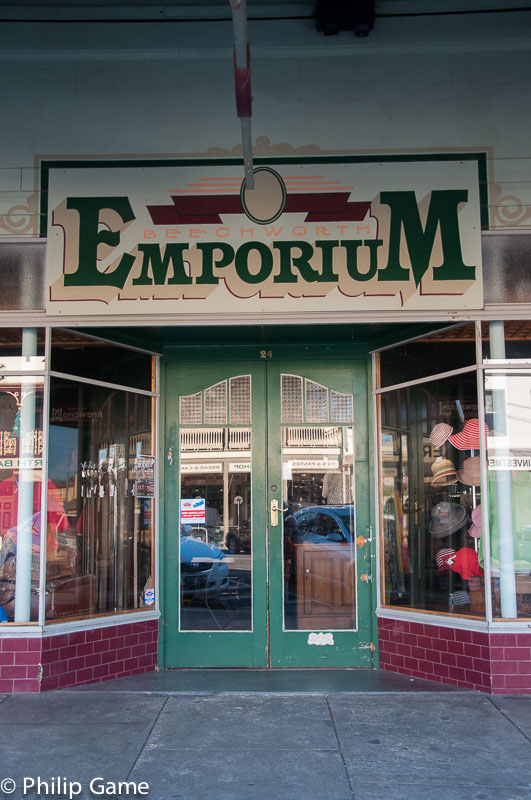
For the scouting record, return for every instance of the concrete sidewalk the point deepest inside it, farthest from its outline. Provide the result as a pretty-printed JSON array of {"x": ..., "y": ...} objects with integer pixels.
[{"x": 290, "y": 734}]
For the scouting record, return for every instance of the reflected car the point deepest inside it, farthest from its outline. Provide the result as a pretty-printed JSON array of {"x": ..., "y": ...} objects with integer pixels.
[
  {"x": 318, "y": 524},
  {"x": 204, "y": 571}
]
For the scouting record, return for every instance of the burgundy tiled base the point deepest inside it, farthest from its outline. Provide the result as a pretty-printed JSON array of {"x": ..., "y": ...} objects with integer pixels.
[
  {"x": 19, "y": 665},
  {"x": 72, "y": 659},
  {"x": 499, "y": 663}
]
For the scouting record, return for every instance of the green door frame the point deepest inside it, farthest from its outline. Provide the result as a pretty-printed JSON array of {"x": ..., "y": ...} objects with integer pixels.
[{"x": 186, "y": 370}]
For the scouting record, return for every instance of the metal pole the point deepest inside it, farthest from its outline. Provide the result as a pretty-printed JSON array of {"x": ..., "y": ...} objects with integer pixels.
[{"x": 243, "y": 84}]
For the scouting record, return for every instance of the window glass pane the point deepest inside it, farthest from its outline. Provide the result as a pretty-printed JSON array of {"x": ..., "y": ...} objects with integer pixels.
[
  {"x": 22, "y": 273},
  {"x": 215, "y": 529},
  {"x": 319, "y": 528},
  {"x": 190, "y": 409},
  {"x": 216, "y": 404},
  {"x": 430, "y": 492},
  {"x": 506, "y": 340},
  {"x": 444, "y": 351},
  {"x": 21, "y": 349},
  {"x": 102, "y": 463},
  {"x": 77, "y": 354},
  {"x": 341, "y": 407},
  {"x": 240, "y": 400},
  {"x": 316, "y": 402},
  {"x": 508, "y": 415},
  {"x": 21, "y": 441},
  {"x": 291, "y": 398}
]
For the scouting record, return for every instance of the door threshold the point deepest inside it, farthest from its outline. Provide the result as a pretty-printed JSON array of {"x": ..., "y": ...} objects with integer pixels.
[{"x": 291, "y": 681}]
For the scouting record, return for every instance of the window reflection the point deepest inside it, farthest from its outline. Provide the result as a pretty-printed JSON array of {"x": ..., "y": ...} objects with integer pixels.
[
  {"x": 215, "y": 529},
  {"x": 319, "y": 528},
  {"x": 508, "y": 415},
  {"x": 101, "y": 461},
  {"x": 430, "y": 497}
]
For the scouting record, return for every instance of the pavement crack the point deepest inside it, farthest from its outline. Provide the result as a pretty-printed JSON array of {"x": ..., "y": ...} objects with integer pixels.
[
  {"x": 506, "y": 716},
  {"x": 340, "y": 750},
  {"x": 144, "y": 743}
]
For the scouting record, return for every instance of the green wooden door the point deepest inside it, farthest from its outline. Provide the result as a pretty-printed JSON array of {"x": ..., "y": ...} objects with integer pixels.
[{"x": 245, "y": 584}]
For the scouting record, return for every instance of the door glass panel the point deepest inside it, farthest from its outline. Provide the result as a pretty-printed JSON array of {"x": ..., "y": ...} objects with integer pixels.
[
  {"x": 319, "y": 539},
  {"x": 215, "y": 528},
  {"x": 190, "y": 409},
  {"x": 291, "y": 398},
  {"x": 240, "y": 400},
  {"x": 316, "y": 402},
  {"x": 216, "y": 404}
]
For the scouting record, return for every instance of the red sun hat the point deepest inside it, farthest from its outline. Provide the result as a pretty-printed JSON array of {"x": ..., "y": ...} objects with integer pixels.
[{"x": 468, "y": 438}]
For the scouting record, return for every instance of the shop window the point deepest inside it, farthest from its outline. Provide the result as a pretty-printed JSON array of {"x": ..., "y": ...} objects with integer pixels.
[
  {"x": 508, "y": 415},
  {"x": 87, "y": 357},
  {"x": 430, "y": 495},
  {"x": 102, "y": 466},
  {"x": 21, "y": 349},
  {"x": 509, "y": 340},
  {"x": 444, "y": 351}
]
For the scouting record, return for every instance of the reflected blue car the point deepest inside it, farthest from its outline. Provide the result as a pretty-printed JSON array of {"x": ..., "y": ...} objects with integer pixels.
[
  {"x": 318, "y": 524},
  {"x": 204, "y": 571}
]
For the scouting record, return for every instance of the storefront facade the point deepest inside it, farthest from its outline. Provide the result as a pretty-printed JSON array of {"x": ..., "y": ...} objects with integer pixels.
[{"x": 286, "y": 426}]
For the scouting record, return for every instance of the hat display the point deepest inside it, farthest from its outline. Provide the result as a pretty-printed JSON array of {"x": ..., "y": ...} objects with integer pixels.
[
  {"x": 443, "y": 472},
  {"x": 468, "y": 438},
  {"x": 460, "y": 598},
  {"x": 466, "y": 563},
  {"x": 475, "y": 528},
  {"x": 446, "y": 518},
  {"x": 471, "y": 472},
  {"x": 440, "y": 434},
  {"x": 445, "y": 558}
]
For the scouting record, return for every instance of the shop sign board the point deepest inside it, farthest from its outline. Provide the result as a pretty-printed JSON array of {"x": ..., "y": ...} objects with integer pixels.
[
  {"x": 240, "y": 466},
  {"x": 320, "y": 234},
  {"x": 207, "y": 466},
  {"x": 193, "y": 510}
]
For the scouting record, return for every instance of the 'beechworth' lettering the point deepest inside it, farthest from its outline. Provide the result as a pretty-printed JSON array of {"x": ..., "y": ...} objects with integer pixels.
[{"x": 409, "y": 250}]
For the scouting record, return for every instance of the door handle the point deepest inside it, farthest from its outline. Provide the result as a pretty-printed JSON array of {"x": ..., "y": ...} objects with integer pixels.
[
  {"x": 416, "y": 508},
  {"x": 274, "y": 513}
]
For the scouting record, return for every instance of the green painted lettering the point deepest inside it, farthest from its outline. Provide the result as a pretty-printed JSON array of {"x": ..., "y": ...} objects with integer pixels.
[
  {"x": 160, "y": 264},
  {"x": 302, "y": 262},
  {"x": 351, "y": 246},
  {"x": 327, "y": 271},
  {"x": 207, "y": 270},
  {"x": 87, "y": 273},
  {"x": 241, "y": 262},
  {"x": 443, "y": 215}
]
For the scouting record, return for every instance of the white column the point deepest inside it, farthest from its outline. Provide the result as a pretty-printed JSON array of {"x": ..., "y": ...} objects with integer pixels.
[
  {"x": 26, "y": 482},
  {"x": 503, "y": 486}
]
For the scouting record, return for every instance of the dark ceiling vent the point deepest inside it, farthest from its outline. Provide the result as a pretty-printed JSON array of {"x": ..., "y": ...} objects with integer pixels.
[{"x": 332, "y": 16}]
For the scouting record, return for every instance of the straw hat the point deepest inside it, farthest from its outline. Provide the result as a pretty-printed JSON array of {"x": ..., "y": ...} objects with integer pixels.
[
  {"x": 471, "y": 472},
  {"x": 475, "y": 528},
  {"x": 446, "y": 518},
  {"x": 443, "y": 472},
  {"x": 468, "y": 438},
  {"x": 440, "y": 434}
]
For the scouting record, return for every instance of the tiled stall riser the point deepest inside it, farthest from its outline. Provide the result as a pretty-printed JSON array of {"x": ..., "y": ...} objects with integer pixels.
[
  {"x": 490, "y": 662},
  {"x": 73, "y": 659}
]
